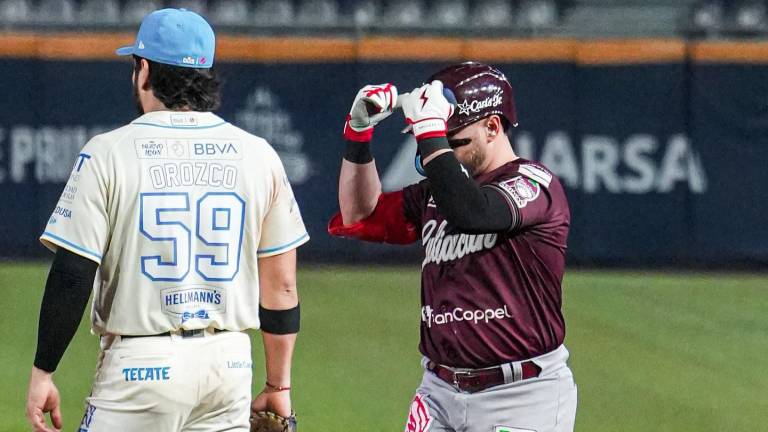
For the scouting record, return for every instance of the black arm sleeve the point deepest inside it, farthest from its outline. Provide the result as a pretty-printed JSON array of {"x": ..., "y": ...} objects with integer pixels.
[
  {"x": 467, "y": 206},
  {"x": 69, "y": 285}
]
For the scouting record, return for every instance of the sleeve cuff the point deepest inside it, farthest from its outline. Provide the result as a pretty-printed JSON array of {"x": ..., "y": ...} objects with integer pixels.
[
  {"x": 277, "y": 250},
  {"x": 53, "y": 242}
]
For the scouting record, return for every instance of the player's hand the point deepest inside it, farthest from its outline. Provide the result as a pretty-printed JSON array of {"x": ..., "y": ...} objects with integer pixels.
[
  {"x": 427, "y": 110},
  {"x": 278, "y": 402},
  {"x": 43, "y": 397},
  {"x": 372, "y": 104}
]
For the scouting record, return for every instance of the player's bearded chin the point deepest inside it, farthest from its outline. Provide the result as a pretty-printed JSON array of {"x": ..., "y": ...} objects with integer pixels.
[
  {"x": 136, "y": 98},
  {"x": 471, "y": 157}
]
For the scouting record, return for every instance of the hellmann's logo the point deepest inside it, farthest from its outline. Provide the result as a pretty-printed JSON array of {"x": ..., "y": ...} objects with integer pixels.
[
  {"x": 477, "y": 316},
  {"x": 439, "y": 247},
  {"x": 475, "y": 106}
]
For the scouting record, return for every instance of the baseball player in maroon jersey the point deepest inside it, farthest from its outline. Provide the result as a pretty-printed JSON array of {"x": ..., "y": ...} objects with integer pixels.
[{"x": 493, "y": 227}]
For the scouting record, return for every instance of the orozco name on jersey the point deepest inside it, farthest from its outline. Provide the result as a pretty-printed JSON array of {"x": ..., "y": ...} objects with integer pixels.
[{"x": 193, "y": 174}]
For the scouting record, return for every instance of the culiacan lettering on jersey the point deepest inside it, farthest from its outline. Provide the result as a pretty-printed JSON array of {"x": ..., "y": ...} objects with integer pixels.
[
  {"x": 212, "y": 174},
  {"x": 440, "y": 247},
  {"x": 161, "y": 373},
  {"x": 193, "y": 303},
  {"x": 429, "y": 317}
]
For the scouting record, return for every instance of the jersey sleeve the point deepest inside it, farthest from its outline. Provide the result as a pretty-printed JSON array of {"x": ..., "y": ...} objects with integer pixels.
[
  {"x": 386, "y": 224},
  {"x": 80, "y": 221},
  {"x": 528, "y": 196},
  {"x": 283, "y": 227}
]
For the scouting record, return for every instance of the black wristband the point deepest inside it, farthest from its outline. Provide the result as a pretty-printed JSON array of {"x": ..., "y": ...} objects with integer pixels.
[
  {"x": 431, "y": 145},
  {"x": 280, "y": 321},
  {"x": 358, "y": 152}
]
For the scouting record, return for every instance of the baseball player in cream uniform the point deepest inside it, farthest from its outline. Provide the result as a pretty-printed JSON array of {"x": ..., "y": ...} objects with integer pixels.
[{"x": 190, "y": 227}]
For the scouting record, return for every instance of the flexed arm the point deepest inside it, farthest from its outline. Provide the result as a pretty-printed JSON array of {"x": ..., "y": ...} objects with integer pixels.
[
  {"x": 367, "y": 213},
  {"x": 359, "y": 184}
]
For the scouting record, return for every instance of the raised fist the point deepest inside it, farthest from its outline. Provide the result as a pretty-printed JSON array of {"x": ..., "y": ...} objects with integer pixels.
[
  {"x": 427, "y": 110},
  {"x": 372, "y": 104}
]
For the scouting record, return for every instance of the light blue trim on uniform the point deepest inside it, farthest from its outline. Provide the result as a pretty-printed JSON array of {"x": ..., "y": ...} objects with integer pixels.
[
  {"x": 277, "y": 248},
  {"x": 74, "y": 246},
  {"x": 180, "y": 127}
]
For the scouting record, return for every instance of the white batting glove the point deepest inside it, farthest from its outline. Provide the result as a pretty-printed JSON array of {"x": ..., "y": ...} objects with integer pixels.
[
  {"x": 427, "y": 110},
  {"x": 372, "y": 104}
]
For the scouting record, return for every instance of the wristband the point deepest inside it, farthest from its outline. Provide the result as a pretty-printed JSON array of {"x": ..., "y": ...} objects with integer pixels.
[
  {"x": 358, "y": 152},
  {"x": 274, "y": 389},
  {"x": 430, "y": 145},
  {"x": 429, "y": 128},
  {"x": 280, "y": 322}
]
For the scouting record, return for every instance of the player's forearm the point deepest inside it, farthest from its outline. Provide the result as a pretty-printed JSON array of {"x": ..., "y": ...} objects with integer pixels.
[
  {"x": 359, "y": 184},
  {"x": 279, "y": 314},
  {"x": 278, "y": 355}
]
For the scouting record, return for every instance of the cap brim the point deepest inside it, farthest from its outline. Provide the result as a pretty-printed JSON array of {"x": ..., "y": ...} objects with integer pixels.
[{"x": 128, "y": 50}]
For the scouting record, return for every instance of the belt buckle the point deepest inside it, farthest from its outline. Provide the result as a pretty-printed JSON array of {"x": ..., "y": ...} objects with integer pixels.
[
  {"x": 457, "y": 375},
  {"x": 192, "y": 333}
]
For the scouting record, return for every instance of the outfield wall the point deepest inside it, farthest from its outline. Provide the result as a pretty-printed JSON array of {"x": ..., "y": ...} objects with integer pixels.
[{"x": 662, "y": 144}]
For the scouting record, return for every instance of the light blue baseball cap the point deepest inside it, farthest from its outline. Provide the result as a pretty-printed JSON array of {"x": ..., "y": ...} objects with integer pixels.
[{"x": 176, "y": 37}]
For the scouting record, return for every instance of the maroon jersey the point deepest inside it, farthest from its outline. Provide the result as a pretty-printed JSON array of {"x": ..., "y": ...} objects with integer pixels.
[{"x": 494, "y": 298}]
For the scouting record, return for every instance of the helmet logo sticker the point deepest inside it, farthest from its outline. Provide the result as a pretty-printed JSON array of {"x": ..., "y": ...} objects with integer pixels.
[{"x": 475, "y": 106}]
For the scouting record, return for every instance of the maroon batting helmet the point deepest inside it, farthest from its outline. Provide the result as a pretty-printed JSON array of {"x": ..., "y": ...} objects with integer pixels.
[{"x": 480, "y": 91}]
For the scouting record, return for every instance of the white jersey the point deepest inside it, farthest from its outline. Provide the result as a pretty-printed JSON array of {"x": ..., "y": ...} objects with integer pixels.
[{"x": 176, "y": 207}]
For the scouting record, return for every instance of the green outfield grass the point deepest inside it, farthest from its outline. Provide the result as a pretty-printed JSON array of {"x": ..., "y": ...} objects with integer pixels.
[{"x": 650, "y": 352}]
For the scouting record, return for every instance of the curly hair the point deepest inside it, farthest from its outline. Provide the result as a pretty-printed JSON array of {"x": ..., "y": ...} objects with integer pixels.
[{"x": 181, "y": 87}]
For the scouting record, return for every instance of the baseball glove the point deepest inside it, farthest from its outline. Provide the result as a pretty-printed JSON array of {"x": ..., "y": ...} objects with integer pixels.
[{"x": 265, "y": 421}]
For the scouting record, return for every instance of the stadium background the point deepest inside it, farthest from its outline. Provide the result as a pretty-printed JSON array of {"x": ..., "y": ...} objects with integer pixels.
[{"x": 653, "y": 112}]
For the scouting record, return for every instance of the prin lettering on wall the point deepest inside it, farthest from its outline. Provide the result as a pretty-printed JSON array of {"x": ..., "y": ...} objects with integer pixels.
[{"x": 44, "y": 154}]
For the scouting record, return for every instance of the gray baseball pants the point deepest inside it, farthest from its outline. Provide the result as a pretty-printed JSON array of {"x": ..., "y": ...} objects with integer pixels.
[{"x": 546, "y": 403}]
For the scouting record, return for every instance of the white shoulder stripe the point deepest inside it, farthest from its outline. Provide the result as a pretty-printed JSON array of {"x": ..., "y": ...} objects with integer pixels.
[{"x": 535, "y": 173}]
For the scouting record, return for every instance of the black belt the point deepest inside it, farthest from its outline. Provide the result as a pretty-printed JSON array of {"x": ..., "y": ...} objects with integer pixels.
[
  {"x": 182, "y": 333},
  {"x": 480, "y": 379}
]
